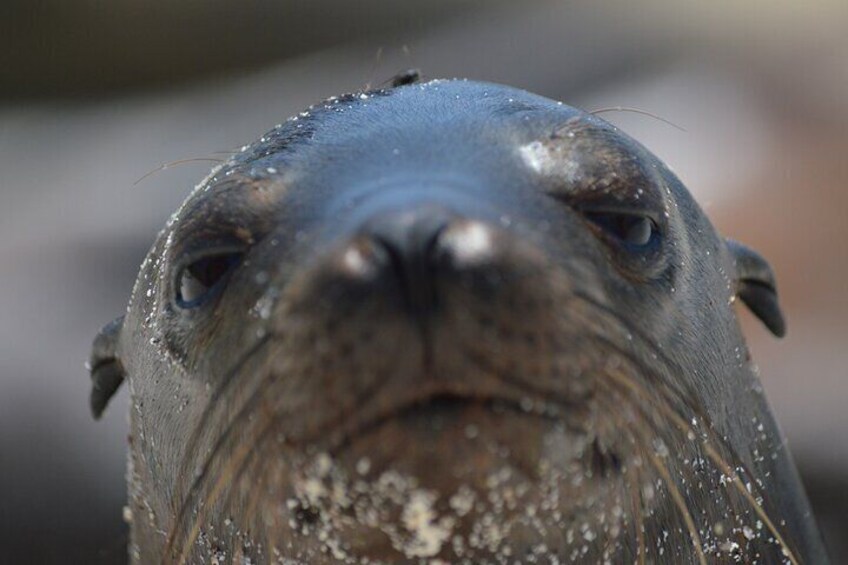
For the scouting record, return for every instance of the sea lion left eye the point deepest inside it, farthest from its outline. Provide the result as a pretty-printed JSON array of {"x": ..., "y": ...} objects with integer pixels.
[
  {"x": 198, "y": 280},
  {"x": 635, "y": 230}
]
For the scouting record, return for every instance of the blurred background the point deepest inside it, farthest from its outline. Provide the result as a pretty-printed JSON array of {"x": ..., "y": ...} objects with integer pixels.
[{"x": 95, "y": 95}]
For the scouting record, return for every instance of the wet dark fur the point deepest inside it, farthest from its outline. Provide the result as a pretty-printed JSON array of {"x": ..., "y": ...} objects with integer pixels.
[{"x": 618, "y": 387}]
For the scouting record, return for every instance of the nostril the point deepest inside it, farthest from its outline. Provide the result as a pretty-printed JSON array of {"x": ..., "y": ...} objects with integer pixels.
[
  {"x": 409, "y": 237},
  {"x": 408, "y": 244},
  {"x": 431, "y": 245},
  {"x": 411, "y": 257},
  {"x": 415, "y": 249}
]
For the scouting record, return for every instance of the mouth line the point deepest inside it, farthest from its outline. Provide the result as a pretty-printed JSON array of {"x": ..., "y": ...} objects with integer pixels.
[{"x": 436, "y": 403}]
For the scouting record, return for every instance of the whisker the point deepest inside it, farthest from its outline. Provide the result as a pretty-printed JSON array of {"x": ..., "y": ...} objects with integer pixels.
[
  {"x": 638, "y": 517},
  {"x": 378, "y": 56},
  {"x": 215, "y": 404},
  {"x": 236, "y": 465},
  {"x": 177, "y": 162},
  {"x": 636, "y": 111},
  {"x": 222, "y": 441},
  {"x": 256, "y": 487},
  {"x": 670, "y": 363},
  {"x": 632, "y": 476},
  {"x": 681, "y": 506},
  {"x": 740, "y": 486},
  {"x": 716, "y": 458},
  {"x": 674, "y": 492},
  {"x": 679, "y": 421}
]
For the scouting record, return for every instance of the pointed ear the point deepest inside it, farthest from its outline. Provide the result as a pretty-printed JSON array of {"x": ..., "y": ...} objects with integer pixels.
[
  {"x": 106, "y": 370},
  {"x": 756, "y": 287}
]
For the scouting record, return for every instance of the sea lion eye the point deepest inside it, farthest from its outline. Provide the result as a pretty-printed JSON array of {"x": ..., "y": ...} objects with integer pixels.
[
  {"x": 632, "y": 229},
  {"x": 198, "y": 280}
]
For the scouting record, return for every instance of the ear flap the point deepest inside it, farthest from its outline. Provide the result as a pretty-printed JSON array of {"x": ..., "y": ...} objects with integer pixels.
[
  {"x": 106, "y": 370},
  {"x": 756, "y": 287}
]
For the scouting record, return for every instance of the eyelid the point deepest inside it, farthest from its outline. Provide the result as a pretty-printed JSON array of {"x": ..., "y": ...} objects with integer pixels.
[
  {"x": 189, "y": 258},
  {"x": 622, "y": 210},
  {"x": 606, "y": 205}
]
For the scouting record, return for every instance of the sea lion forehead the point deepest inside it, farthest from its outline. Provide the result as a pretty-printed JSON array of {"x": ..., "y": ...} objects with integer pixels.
[
  {"x": 441, "y": 110},
  {"x": 355, "y": 120},
  {"x": 482, "y": 134},
  {"x": 437, "y": 103}
]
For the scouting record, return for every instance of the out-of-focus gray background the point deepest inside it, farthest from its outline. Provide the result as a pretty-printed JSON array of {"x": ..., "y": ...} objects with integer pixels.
[{"x": 93, "y": 95}]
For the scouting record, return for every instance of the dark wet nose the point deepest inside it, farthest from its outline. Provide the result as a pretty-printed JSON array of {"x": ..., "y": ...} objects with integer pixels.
[{"x": 419, "y": 247}]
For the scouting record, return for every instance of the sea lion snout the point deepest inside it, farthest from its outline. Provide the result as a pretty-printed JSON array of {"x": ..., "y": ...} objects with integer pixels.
[
  {"x": 443, "y": 286},
  {"x": 418, "y": 250}
]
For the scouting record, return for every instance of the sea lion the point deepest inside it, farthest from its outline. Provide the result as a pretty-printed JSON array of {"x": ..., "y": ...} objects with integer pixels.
[{"x": 449, "y": 322}]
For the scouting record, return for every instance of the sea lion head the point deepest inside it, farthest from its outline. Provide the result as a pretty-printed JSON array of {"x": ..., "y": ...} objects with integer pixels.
[{"x": 450, "y": 321}]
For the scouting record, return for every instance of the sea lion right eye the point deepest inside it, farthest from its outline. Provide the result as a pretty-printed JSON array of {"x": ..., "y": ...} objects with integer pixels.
[
  {"x": 201, "y": 279},
  {"x": 633, "y": 230}
]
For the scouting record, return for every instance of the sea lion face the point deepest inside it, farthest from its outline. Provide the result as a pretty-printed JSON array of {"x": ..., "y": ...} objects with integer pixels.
[{"x": 448, "y": 321}]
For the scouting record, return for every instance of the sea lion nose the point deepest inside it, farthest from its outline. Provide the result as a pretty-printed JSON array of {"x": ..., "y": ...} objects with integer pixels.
[
  {"x": 407, "y": 246},
  {"x": 418, "y": 247}
]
